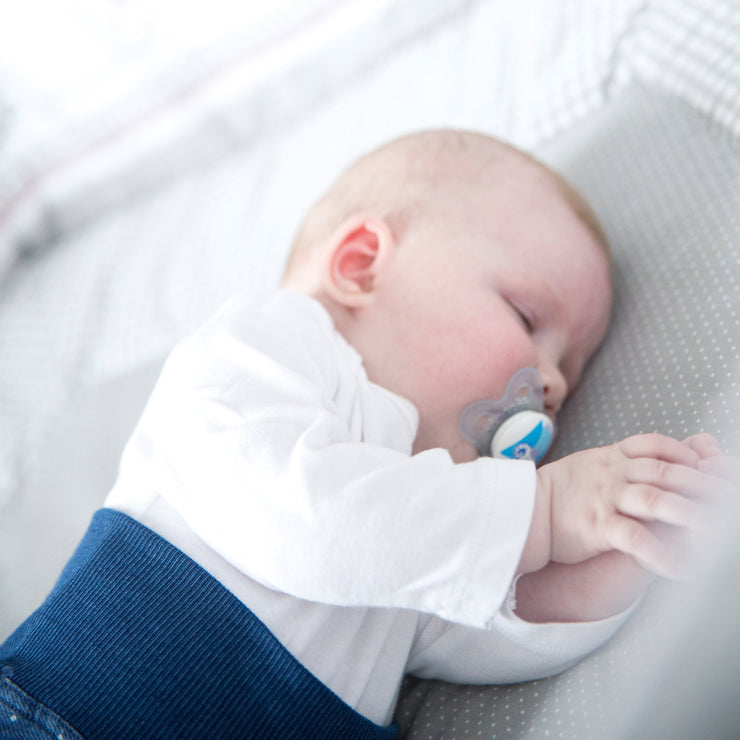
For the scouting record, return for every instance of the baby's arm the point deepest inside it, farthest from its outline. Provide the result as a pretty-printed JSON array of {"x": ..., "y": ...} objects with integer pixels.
[
  {"x": 582, "y": 592},
  {"x": 617, "y": 516},
  {"x": 509, "y": 650}
]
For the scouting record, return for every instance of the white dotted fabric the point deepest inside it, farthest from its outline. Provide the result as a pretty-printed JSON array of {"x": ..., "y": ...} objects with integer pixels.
[
  {"x": 690, "y": 49},
  {"x": 668, "y": 192},
  {"x": 148, "y": 97},
  {"x": 84, "y": 322}
]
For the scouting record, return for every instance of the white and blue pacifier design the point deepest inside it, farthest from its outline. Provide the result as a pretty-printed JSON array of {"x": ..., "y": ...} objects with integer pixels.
[{"x": 516, "y": 425}]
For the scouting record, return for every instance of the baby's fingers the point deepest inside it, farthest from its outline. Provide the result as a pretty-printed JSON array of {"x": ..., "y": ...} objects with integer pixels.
[
  {"x": 653, "y": 504},
  {"x": 705, "y": 445},
  {"x": 660, "y": 447},
  {"x": 722, "y": 466},
  {"x": 686, "y": 481},
  {"x": 634, "y": 538}
]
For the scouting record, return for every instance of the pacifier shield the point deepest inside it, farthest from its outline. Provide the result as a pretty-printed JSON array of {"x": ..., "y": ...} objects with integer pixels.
[{"x": 514, "y": 426}]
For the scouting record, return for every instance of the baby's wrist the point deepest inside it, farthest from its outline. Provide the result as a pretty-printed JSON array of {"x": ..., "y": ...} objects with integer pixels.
[{"x": 538, "y": 546}]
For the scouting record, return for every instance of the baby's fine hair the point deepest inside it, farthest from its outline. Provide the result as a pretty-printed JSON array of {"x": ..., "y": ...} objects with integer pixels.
[{"x": 395, "y": 183}]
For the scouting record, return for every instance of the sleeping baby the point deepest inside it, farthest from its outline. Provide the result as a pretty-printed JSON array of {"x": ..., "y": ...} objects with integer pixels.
[{"x": 306, "y": 513}]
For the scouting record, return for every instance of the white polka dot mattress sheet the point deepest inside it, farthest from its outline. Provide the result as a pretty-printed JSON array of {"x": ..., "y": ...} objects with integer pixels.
[{"x": 166, "y": 166}]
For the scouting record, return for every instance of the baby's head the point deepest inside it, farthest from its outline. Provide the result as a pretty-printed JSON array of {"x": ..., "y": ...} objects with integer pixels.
[{"x": 450, "y": 260}]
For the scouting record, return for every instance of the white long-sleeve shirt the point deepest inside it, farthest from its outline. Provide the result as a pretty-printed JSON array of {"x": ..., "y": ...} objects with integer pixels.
[{"x": 267, "y": 455}]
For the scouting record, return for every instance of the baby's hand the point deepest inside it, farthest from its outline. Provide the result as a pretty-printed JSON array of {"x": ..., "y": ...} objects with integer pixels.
[{"x": 646, "y": 496}]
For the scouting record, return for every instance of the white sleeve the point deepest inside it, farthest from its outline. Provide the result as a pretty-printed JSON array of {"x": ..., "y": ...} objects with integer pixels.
[
  {"x": 243, "y": 437},
  {"x": 509, "y": 650}
]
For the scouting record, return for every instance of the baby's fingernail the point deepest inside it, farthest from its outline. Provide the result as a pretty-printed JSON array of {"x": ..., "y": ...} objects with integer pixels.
[{"x": 711, "y": 445}]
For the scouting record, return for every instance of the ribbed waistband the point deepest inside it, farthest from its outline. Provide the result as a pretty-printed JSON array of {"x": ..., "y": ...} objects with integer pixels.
[{"x": 137, "y": 640}]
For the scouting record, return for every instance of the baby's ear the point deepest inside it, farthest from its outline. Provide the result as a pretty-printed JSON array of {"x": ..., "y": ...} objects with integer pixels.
[{"x": 358, "y": 251}]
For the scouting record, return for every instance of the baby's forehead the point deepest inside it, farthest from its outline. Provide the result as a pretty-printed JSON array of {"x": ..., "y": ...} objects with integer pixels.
[{"x": 539, "y": 186}]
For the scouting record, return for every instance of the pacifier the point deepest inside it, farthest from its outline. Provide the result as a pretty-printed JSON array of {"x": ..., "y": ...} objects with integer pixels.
[{"x": 516, "y": 425}]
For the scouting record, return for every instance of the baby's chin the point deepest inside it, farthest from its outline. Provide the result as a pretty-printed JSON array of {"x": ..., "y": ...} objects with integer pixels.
[
  {"x": 459, "y": 449},
  {"x": 463, "y": 452}
]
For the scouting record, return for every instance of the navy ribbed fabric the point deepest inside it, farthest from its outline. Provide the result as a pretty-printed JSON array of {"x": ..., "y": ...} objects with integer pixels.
[{"x": 138, "y": 641}]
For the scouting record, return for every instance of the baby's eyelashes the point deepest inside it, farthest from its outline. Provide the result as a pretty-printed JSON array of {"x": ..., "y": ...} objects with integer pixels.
[{"x": 524, "y": 316}]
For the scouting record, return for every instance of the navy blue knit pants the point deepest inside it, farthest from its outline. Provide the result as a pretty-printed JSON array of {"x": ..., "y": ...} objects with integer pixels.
[{"x": 138, "y": 641}]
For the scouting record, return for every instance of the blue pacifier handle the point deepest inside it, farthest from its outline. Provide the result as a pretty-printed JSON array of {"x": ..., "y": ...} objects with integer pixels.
[{"x": 514, "y": 426}]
